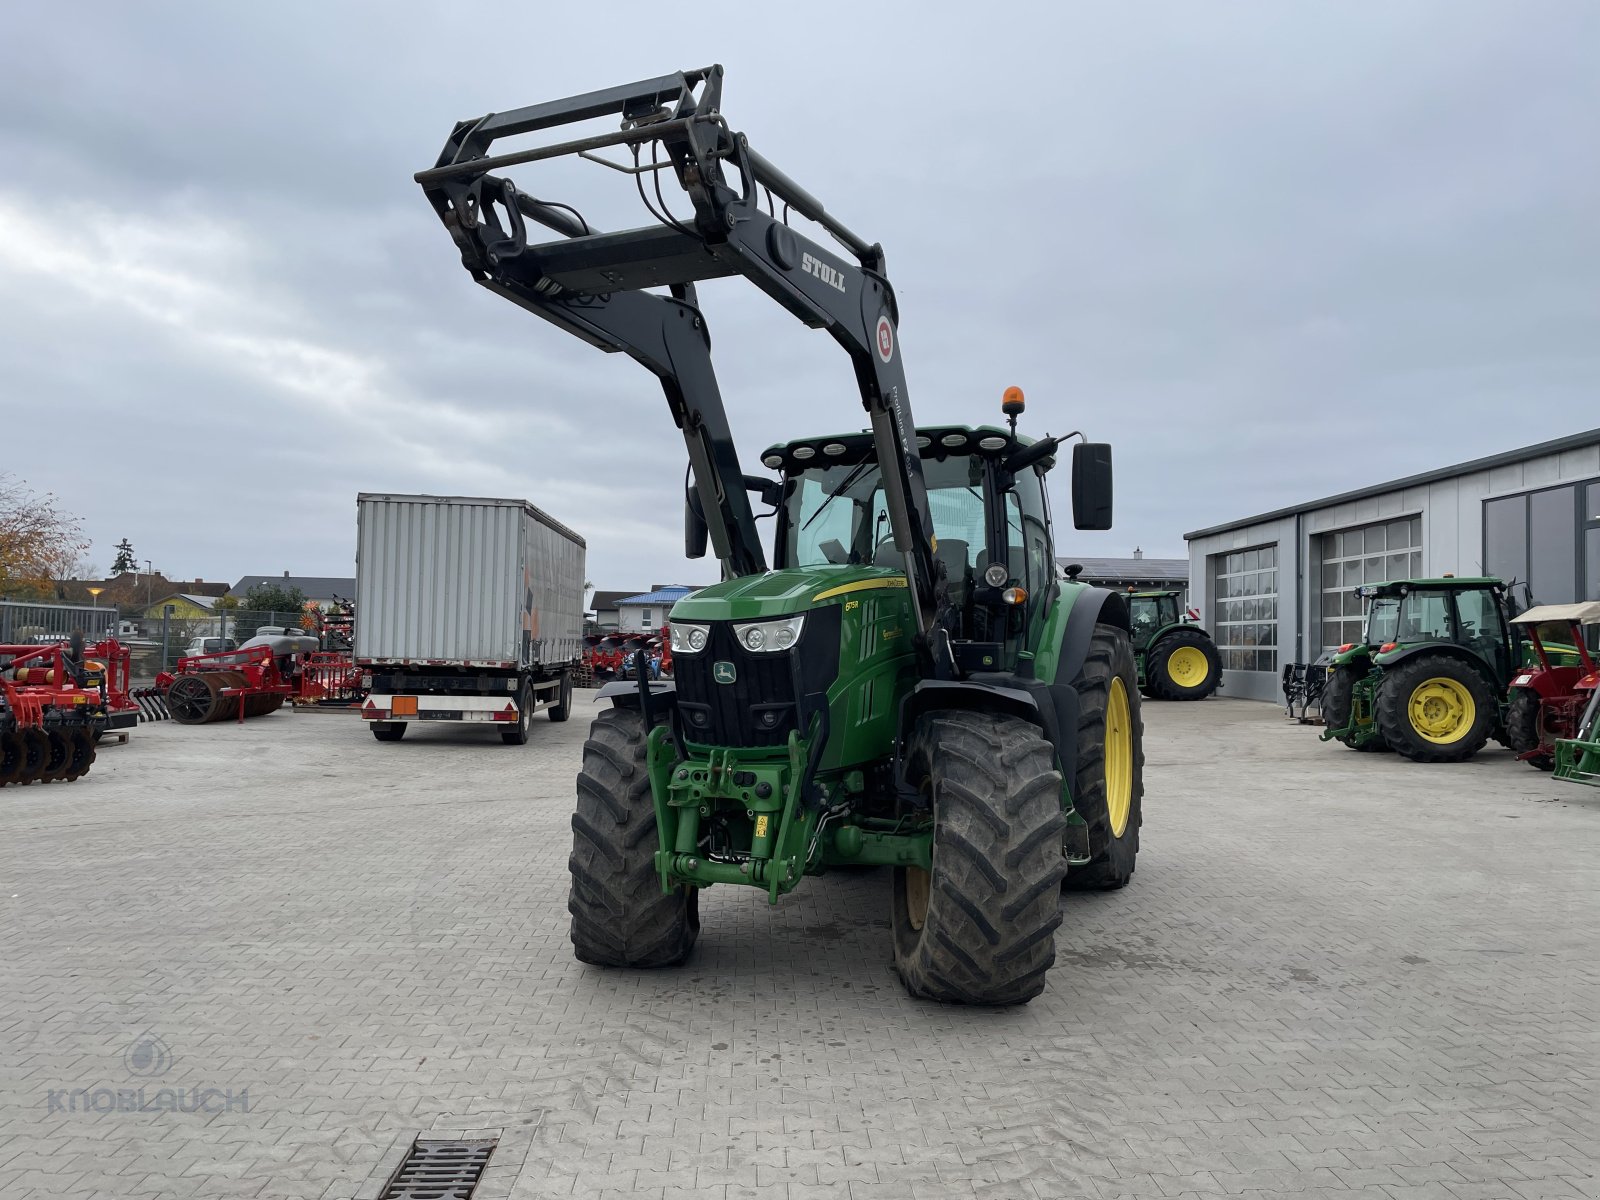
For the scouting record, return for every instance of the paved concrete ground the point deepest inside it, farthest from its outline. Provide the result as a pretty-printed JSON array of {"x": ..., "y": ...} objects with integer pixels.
[{"x": 1334, "y": 974}]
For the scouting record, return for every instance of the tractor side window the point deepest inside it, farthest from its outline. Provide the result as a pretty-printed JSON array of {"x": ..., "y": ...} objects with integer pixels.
[
  {"x": 1425, "y": 617},
  {"x": 1167, "y": 607},
  {"x": 1383, "y": 622},
  {"x": 1478, "y": 617},
  {"x": 1028, "y": 535}
]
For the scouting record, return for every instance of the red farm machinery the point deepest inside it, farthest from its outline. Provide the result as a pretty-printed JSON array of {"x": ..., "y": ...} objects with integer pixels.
[
  {"x": 56, "y": 702},
  {"x": 1548, "y": 696},
  {"x": 614, "y": 655},
  {"x": 312, "y": 666}
]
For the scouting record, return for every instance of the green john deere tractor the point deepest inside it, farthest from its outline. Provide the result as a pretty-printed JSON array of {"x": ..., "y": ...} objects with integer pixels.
[
  {"x": 907, "y": 684},
  {"x": 1429, "y": 678},
  {"x": 1177, "y": 658}
]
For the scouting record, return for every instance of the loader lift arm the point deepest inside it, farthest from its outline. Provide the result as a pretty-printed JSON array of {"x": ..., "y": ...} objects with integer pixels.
[{"x": 597, "y": 285}]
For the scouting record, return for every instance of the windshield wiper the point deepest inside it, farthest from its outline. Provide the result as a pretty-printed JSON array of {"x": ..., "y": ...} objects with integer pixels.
[{"x": 855, "y": 473}]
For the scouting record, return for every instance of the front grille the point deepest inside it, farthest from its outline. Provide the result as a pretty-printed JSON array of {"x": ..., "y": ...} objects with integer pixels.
[{"x": 771, "y": 695}]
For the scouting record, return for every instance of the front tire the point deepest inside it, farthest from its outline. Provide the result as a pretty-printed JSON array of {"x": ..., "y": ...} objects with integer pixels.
[
  {"x": 1435, "y": 708},
  {"x": 1184, "y": 665},
  {"x": 1108, "y": 780},
  {"x": 620, "y": 915},
  {"x": 980, "y": 929},
  {"x": 1338, "y": 699},
  {"x": 1522, "y": 728}
]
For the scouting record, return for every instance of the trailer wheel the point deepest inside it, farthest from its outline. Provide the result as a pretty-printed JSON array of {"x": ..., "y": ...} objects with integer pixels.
[
  {"x": 562, "y": 708},
  {"x": 517, "y": 734},
  {"x": 620, "y": 915},
  {"x": 388, "y": 731},
  {"x": 980, "y": 928},
  {"x": 1522, "y": 728}
]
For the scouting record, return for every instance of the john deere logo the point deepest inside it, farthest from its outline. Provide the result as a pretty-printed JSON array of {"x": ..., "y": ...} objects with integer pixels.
[{"x": 724, "y": 672}]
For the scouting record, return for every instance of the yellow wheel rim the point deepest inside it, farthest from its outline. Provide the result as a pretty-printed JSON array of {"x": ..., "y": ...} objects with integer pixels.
[
  {"x": 918, "y": 885},
  {"x": 1187, "y": 666},
  {"x": 1119, "y": 757},
  {"x": 1441, "y": 710}
]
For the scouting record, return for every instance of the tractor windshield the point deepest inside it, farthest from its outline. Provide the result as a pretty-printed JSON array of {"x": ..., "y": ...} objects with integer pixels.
[{"x": 837, "y": 515}]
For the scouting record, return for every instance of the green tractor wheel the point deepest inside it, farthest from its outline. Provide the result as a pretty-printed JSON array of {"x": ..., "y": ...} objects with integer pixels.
[
  {"x": 1108, "y": 787},
  {"x": 981, "y": 928},
  {"x": 1435, "y": 708},
  {"x": 1337, "y": 698},
  {"x": 1184, "y": 665},
  {"x": 620, "y": 915},
  {"x": 1522, "y": 727}
]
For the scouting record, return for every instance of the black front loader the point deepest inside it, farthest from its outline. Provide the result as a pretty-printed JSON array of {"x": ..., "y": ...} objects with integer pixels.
[{"x": 598, "y": 285}]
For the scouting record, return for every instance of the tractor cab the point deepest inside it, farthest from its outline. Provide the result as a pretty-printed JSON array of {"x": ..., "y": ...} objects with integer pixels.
[
  {"x": 1428, "y": 678},
  {"x": 1552, "y": 689},
  {"x": 1469, "y": 613},
  {"x": 994, "y": 560},
  {"x": 1151, "y": 612}
]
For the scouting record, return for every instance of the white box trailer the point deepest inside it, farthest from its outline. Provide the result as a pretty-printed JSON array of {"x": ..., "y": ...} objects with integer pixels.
[{"x": 467, "y": 609}]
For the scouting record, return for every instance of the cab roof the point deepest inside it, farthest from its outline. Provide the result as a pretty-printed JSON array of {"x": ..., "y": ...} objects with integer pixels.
[{"x": 1399, "y": 587}]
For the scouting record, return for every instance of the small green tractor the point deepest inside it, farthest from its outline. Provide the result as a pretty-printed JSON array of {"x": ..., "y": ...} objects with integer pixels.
[
  {"x": 1429, "y": 678},
  {"x": 905, "y": 682},
  {"x": 1177, "y": 659}
]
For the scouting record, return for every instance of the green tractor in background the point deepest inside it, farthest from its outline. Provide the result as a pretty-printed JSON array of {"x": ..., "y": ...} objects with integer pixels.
[
  {"x": 1429, "y": 678},
  {"x": 908, "y": 684},
  {"x": 1177, "y": 658}
]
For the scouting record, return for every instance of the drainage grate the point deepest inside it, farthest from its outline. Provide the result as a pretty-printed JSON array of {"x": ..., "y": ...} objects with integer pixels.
[{"x": 439, "y": 1170}]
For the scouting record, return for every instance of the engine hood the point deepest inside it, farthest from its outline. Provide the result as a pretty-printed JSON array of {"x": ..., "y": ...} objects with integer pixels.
[{"x": 780, "y": 593}]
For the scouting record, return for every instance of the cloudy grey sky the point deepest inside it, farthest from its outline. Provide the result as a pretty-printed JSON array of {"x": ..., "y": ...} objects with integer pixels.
[{"x": 1270, "y": 250}]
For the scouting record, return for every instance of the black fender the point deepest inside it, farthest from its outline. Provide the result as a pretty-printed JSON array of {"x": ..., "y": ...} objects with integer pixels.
[
  {"x": 1448, "y": 650},
  {"x": 624, "y": 693}
]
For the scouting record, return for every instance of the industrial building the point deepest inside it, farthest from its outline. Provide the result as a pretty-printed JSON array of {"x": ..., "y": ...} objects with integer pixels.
[
  {"x": 1278, "y": 588},
  {"x": 1136, "y": 572}
]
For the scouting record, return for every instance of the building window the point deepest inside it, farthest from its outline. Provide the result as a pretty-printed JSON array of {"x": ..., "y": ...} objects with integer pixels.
[
  {"x": 1245, "y": 608},
  {"x": 647, "y": 618},
  {"x": 1533, "y": 538},
  {"x": 1376, "y": 553}
]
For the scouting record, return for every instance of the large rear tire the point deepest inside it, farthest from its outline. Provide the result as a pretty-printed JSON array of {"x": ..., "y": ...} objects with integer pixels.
[
  {"x": 1184, "y": 665},
  {"x": 620, "y": 915},
  {"x": 1108, "y": 779},
  {"x": 980, "y": 929},
  {"x": 1337, "y": 698},
  {"x": 1435, "y": 708},
  {"x": 1522, "y": 728},
  {"x": 388, "y": 731}
]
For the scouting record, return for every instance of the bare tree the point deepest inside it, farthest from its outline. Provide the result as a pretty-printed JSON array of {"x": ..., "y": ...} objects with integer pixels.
[{"x": 38, "y": 542}]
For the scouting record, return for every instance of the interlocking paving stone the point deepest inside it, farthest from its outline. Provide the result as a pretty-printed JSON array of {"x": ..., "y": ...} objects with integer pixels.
[{"x": 1334, "y": 975}]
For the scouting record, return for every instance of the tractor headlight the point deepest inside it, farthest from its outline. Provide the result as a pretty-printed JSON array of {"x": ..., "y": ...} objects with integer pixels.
[
  {"x": 689, "y": 639},
  {"x": 996, "y": 575},
  {"x": 769, "y": 637}
]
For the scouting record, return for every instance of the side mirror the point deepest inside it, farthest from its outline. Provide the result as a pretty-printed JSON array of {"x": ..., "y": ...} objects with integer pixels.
[
  {"x": 1091, "y": 485},
  {"x": 695, "y": 530}
]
